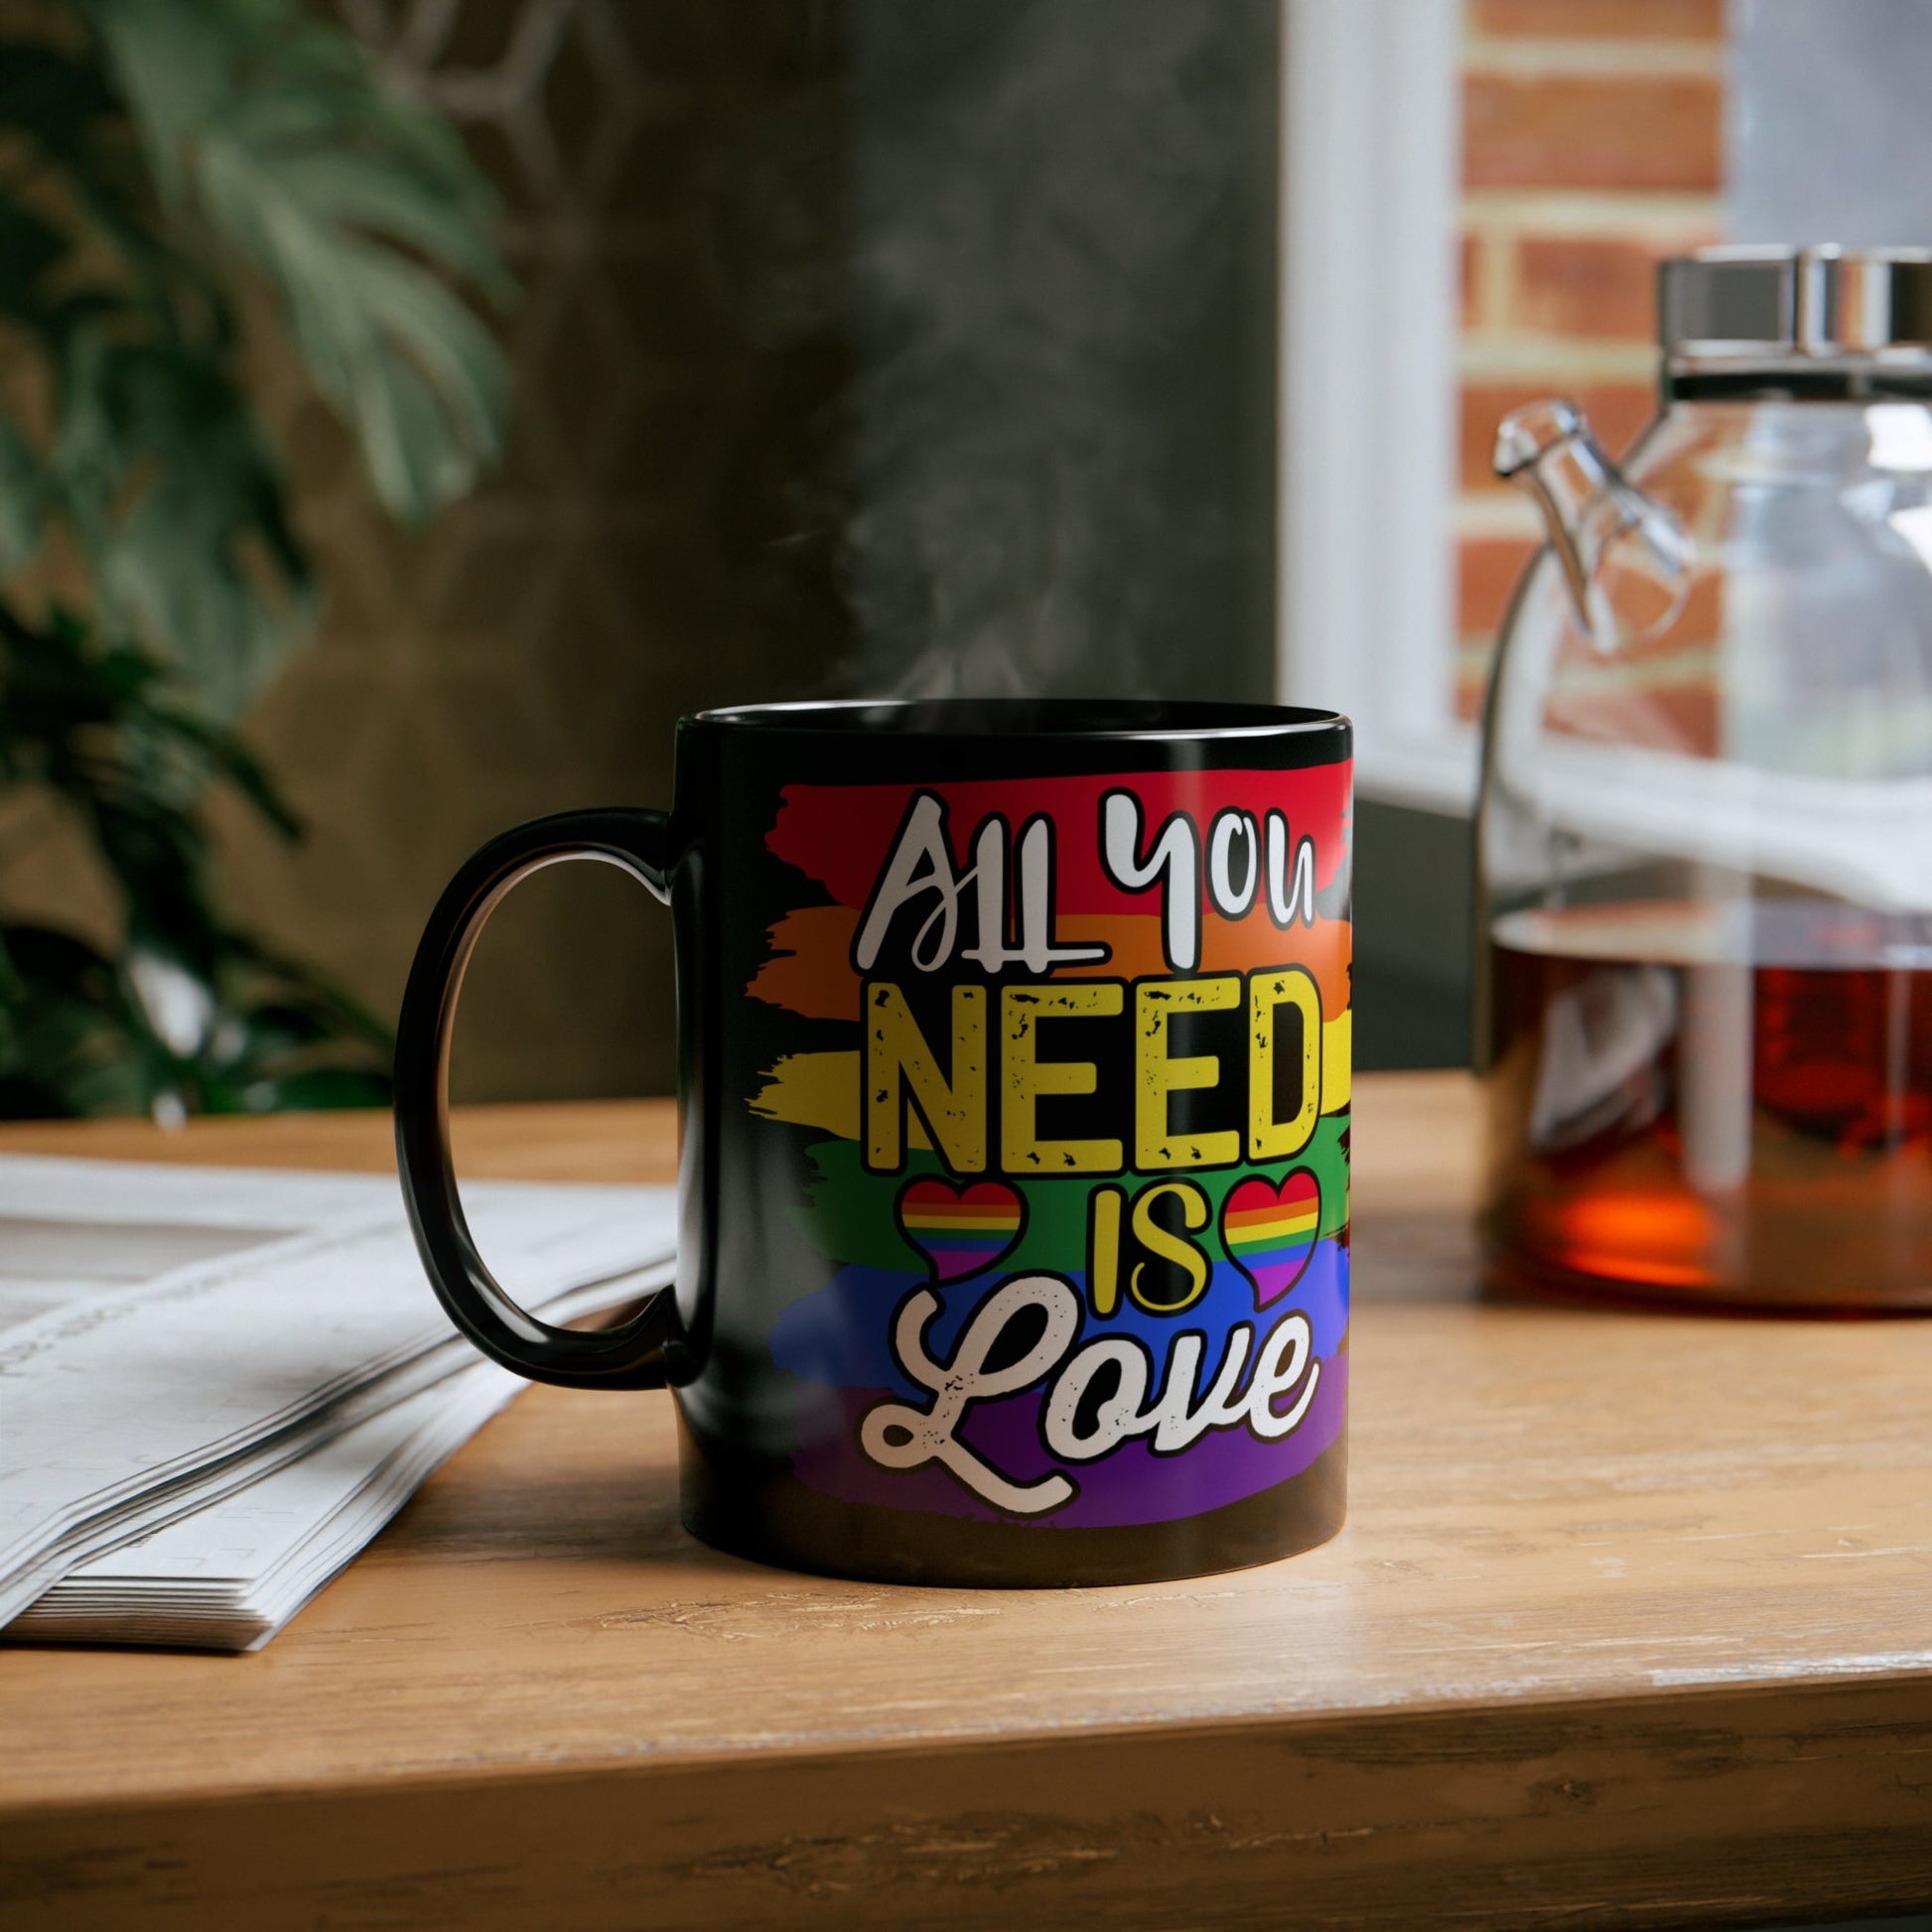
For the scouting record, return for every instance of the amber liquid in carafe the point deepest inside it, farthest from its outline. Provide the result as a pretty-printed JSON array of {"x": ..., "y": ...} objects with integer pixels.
[{"x": 1718, "y": 1104}]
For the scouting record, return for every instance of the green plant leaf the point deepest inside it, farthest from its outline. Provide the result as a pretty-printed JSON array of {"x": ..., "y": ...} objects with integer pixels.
[
  {"x": 52, "y": 97},
  {"x": 406, "y": 364},
  {"x": 365, "y": 193},
  {"x": 148, "y": 159},
  {"x": 228, "y": 757},
  {"x": 72, "y": 1047},
  {"x": 76, "y": 141},
  {"x": 22, "y": 501},
  {"x": 178, "y": 502},
  {"x": 29, "y": 248},
  {"x": 174, "y": 64},
  {"x": 277, "y": 135}
]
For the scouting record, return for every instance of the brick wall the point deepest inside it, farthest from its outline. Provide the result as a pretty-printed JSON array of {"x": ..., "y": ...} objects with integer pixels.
[{"x": 1591, "y": 148}]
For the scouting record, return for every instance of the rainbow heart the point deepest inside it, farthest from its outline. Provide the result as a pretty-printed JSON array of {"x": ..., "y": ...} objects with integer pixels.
[
  {"x": 960, "y": 1230},
  {"x": 1270, "y": 1232}
]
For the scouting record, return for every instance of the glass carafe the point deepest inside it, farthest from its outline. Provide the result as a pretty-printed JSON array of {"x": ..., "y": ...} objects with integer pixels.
[{"x": 1705, "y": 839}]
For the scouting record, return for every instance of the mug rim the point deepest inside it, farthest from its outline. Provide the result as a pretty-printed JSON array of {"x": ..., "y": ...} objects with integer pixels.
[{"x": 1161, "y": 720}]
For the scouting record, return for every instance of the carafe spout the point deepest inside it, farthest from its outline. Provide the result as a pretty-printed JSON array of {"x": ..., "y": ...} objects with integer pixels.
[{"x": 1625, "y": 558}]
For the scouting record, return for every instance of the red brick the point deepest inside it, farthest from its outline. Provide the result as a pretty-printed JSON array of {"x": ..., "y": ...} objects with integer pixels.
[
  {"x": 1575, "y": 285},
  {"x": 1616, "y": 411},
  {"x": 1466, "y": 281},
  {"x": 1702, "y": 619},
  {"x": 1679, "y": 718},
  {"x": 1673, "y": 20},
  {"x": 1486, "y": 573},
  {"x": 1472, "y": 687},
  {"x": 1591, "y": 131},
  {"x": 1696, "y": 628}
]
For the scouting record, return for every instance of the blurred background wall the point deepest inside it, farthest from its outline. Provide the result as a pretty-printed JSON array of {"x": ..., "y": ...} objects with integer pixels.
[
  {"x": 669, "y": 180},
  {"x": 1593, "y": 146},
  {"x": 860, "y": 347},
  {"x": 867, "y": 345},
  {"x": 1829, "y": 137}
]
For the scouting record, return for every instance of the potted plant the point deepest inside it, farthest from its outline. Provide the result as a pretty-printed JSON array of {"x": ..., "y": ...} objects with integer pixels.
[{"x": 159, "y": 161}]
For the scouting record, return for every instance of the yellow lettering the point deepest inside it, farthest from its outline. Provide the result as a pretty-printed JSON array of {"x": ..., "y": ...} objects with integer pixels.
[
  {"x": 1024, "y": 1077},
  {"x": 1157, "y": 1074},
  {"x": 1103, "y": 1249},
  {"x": 1175, "y": 1247},
  {"x": 898, "y": 1062},
  {"x": 1270, "y": 1139}
]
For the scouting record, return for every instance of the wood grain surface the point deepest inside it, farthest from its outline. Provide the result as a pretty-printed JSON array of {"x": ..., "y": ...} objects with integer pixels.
[{"x": 1631, "y": 1624}]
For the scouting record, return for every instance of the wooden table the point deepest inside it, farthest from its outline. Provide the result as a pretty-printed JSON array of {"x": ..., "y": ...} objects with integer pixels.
[{"x": 1631, "y": 1624}]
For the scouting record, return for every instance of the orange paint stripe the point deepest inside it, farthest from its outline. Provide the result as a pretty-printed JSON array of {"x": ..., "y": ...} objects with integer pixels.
[
  {"x": 979, "y": 1210},
  {"x": 977, "y": 1224},
  {"x": 810, "y": 967},
  {"x": 1271, "y": 1230},
  {"x": 1246, "y": 1216}
]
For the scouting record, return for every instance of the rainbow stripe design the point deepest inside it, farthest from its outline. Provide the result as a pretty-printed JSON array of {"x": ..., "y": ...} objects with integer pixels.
[
  {"x": 960, "y": 1231},
  {"x": 1270, "y": 1232}
]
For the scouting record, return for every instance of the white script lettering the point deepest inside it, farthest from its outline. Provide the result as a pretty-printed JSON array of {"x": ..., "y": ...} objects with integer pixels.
[
  {"x": 921, "y": 864},
  {"x": 898, "y": 1435}
]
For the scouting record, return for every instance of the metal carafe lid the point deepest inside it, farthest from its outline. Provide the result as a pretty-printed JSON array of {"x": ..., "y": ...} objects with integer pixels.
[{"x": 1778, "y": 304}]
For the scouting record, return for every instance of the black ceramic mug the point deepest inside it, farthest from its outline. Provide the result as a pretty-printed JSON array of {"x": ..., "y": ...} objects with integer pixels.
[{"x": 1014, "y": 1069}]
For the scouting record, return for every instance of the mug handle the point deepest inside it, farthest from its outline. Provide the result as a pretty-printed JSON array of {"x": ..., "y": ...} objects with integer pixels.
[{"x": 628, "y": 1358}]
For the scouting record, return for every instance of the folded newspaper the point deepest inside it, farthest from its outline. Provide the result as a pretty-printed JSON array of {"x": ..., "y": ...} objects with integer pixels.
[{"x": 216, "y": 1385}]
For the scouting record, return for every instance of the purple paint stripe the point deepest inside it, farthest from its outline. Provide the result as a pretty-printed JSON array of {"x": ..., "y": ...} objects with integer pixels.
[{"x": 1132, "y": 1485}]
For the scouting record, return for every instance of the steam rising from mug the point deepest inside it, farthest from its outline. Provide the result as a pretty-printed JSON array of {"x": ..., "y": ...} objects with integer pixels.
[{"x": 1059, "y": 444}]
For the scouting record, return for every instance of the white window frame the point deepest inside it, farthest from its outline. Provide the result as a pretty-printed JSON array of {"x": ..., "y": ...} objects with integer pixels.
[{"x": 1371, "y": 188}]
